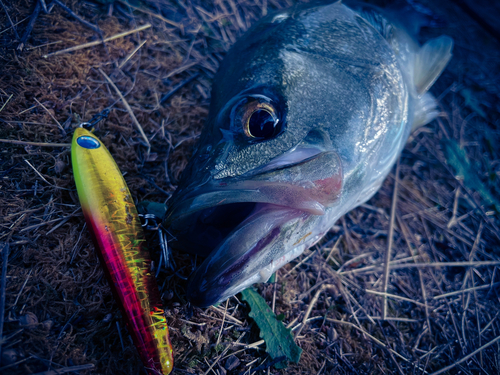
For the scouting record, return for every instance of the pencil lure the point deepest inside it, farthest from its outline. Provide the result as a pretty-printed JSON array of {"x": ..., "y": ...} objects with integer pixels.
[{"x": 116, "y": 230}]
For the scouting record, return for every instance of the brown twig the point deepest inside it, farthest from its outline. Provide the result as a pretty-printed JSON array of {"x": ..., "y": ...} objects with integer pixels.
[
  {"x": 8, "y": 100},
  {"x": 43, "y": 178},
  {"x": 10, "y": 27},
  {"x": 50, "y": 114},
  {"x": 444, "y": 369},
  {"x": 29, "y": 28},
  {"x": 153, "y": 14},
  {"x": 129, "y": 109},
  {"x": 3, "y": 285},
  {"x": 131, "y": 54},
  {"x": 10, "y": 21},
  {"x": 404, "y": 230},
  {"x": 39, "y": 144},
  {"x": 387, "y": 260},
  {"x": 456, "y": 292},
  {"x": 97, "y": 42},
  {"x": 178, "y": 87},
  {"x": 78, "y": 18},
  {"x": 312, "y": 304},
  {"x": 370, "y": 336},
  {"x": 65, "y": 370}
]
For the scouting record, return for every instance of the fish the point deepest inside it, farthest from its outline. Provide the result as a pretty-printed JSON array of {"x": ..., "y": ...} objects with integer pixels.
[
  {"x": 116, "y": 230},
  {"x": 310, "y": 110}
]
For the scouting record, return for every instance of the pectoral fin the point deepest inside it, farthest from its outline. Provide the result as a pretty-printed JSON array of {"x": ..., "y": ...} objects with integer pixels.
[
  {"x": 431, "y": 61},
  {"x": 425, "y": 111}
]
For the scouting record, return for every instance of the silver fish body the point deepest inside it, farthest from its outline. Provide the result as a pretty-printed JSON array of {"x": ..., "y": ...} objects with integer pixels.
[{"x": 310, "y": 110}]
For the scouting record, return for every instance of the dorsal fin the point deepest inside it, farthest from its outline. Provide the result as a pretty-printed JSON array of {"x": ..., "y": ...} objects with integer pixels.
[
  {"x": 430, "y": 61},
  {"x": 374, "y": 18}
]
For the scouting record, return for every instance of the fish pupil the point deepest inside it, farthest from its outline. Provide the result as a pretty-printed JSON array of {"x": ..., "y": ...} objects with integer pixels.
[{"x": 262, "y": 124}]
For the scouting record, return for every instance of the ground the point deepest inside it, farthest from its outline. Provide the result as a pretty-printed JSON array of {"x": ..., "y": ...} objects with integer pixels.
[{"x": 438, "y": 212}]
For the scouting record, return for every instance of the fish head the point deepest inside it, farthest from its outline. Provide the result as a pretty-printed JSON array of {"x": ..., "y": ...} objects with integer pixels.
[{"x": 265, "y": 170}]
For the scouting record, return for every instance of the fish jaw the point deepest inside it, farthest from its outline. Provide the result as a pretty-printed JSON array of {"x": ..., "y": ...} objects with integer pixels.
[
  {"x": 255, "y": 223},
  {"x": 268, "y": 239}
]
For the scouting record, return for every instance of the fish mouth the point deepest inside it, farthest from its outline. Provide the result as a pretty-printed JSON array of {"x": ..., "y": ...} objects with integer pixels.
[{"x": 248, "y": 227}]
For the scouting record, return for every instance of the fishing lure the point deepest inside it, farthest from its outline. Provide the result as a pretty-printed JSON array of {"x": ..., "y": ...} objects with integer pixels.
[{"x": 116, "y": 230}]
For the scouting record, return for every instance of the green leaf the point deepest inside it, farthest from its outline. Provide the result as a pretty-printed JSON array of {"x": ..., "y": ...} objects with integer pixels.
[
  {"x": 458, "y": 160},
  {"x": 278, "y": 338}
]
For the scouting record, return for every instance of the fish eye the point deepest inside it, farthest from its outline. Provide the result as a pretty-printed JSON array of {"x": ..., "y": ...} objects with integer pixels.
[
  {"x": 259, "y": 119},
  {"x": 262, "y": 124}
]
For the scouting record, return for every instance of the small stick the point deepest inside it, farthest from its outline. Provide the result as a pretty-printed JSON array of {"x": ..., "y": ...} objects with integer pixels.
[
  {"x": 474, "y": 246},
  {"x": 3, "y": 285},
  {"x": 10, "y": 21},
  {"x": 51, "y": 115},
  {"x": 35, "y": 47},
  {"x": 27, "y": 32},
  {"x": 11, "y": 95},
  {"x": 131, "y": 54},
  {"x": 370, "y": 336},
  {"x": 274, "y": 290},
  {"x": 10, "y": 27},
  {"x": 97, "y": 42},
  {"x": 453, "y": 220},
  {"x": 222, "y": 324},
  {"x": 222, "y": 354},
  {"x": 387, "y": 295},
  {"x": 43, "y": 178},
  {"x": 301, "y": 262},
  {"x": 152, "y": 14},
  {"x": 180, "y": 69},
  {"x": 78, "y": 18},
  {"x": 38, "y": 173},
  {"x": 22, "y": 288},
  {"x": 389, "y": 245},
  {"x": 26, "y": 122},
  {"x": 465, "y": 291},
  {"x": 312, "y": 304},
  {"x": 266, "y": 365},
  {"x": 65, "y": 370},
  {"x": 404, "y": 230},
  {"x": 229, "y": 317},
  {"x": 40, "y": 144},
  {"x": 178, "y": 87},
  {"x": 131, "y": 113},
  {"x": 120, "y": 334},
  {"x": 444, "y": 369},
  {"x": 424, "y": 265}
]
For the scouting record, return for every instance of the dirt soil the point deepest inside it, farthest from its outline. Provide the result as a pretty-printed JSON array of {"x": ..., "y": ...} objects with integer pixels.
[{"x": 441, "y": 297}]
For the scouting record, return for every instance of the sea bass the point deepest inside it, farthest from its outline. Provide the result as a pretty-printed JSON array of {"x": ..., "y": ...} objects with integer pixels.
[{"x": 310, "y": 110}]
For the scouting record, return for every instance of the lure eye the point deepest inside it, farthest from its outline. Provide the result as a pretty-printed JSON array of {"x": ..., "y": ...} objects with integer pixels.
[
  {"x": 88, "y": 142},
  {"x": 258, "y": 118}
]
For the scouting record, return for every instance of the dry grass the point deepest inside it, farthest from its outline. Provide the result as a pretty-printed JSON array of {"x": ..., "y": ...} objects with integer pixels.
[{"x": 441, "y": 294}]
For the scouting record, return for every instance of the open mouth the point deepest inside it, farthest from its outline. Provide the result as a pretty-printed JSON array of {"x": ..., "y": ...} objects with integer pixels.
[
  {"x": 250, "y": 226},
  {"x": 243, "y": 244},
  {"x": 202, "y": 231}
]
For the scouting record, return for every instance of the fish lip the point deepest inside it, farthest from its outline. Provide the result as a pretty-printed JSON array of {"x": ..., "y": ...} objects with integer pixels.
[
  {"x": 206, "y": 297},
  {"x": 265, "y": 185},
  {"x": 238, "y": 263}
]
